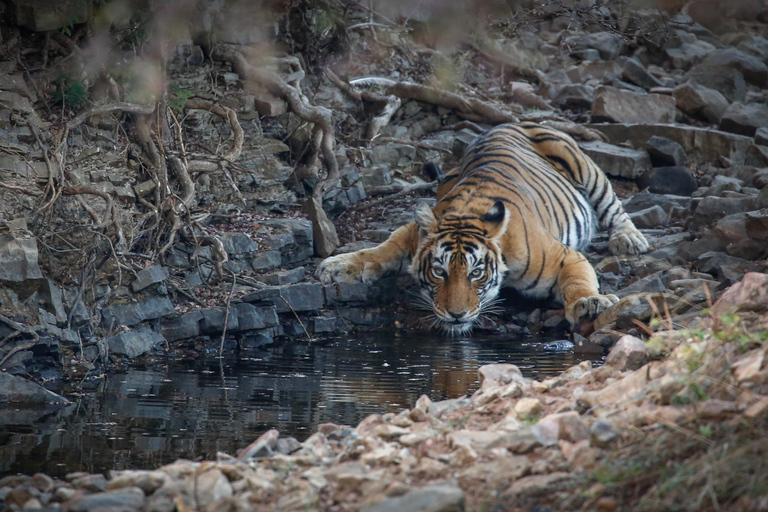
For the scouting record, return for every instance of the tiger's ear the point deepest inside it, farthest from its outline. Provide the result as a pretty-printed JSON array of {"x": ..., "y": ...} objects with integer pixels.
[
  {"x": 496, "y": 220},
  {"x": 425, "y": 219}
]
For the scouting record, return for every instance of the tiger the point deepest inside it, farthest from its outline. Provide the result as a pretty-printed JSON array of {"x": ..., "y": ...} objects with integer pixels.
[{"x": 517, "y": 211}]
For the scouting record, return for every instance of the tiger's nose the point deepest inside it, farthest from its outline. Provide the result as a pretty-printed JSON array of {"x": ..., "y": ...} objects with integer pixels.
[{"x": 458, "y": 315}]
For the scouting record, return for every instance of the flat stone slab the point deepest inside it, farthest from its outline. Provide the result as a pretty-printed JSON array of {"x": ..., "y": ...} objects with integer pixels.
[
  {"x": 616, "y": 160},
  {"x": 132, "y": 313},
  {"x": 702, "y": 145},
  {"x": 135, "y": 342},
  {"x": 297, "y": 297}
]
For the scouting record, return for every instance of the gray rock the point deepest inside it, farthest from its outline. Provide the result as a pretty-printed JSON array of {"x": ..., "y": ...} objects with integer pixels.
[
  {"x": 619, "y": 106},
  {"x": 252, "y": 318},
  {"x": 149, "y": 276},
  {"x": 283, "y": 277},
  {"x": 754, "y": 71},
  {"x": 629, "y": 353},
  {"x": 688, "y": 53},
  {"x": 711, "y": 209},
  {"x": 18, "y": 265},
  {"x": 724, "y": 267},
  {"x": 576, "y": 97},
  {"x": 699, "y": 101},
  {"x": 665, "y": 152},
  {"x": 266, "y": 260},
  {"x": 298, "y": 244},
  {"x": 125, "y": 500},
  {"x": 744, "y": 119},
  {"x": 297, "y": 297},
  {"x": 15, "y": 389},
  {"x": 642, "y": 201},
  {"x": 324, "y": 235},
  {"x": 375, "y": 176},
  {"x": 132, "y": 313},
  {"x": 323, "y": 324},
  {"x": 341, "y": 293},
  {"x": 757, "y": 46},
  {"x": 238, "y": 243},
  {"x": 135, "y": 342},
  {"x": 213, "y": 320},
  {"x": 42, "y": 15},
  {"x": 608, "y": 45},
  {"x": 634, "y": 72},
  {"x": 728, "y": 82},
  {"x": 603, "y": 433},
  {"x": 702, "y": 145},
  {"x": 653, "y": 217},
  {"x": 182, "y": 328},
  {"x": 444, "y": 496},
  {"x": 616, "y": 160},
  {"x": 648, "y": 284},
  {"x": 677, "y": 181}
]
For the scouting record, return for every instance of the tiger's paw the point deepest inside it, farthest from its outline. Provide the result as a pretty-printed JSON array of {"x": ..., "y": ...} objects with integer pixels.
[
  {"x": 587, "y": 308},
  {"x": 628, "y": 241},
  {"x": 347, "y": 268}
]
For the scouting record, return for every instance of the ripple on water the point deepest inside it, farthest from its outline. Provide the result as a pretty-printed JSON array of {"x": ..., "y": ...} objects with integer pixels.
[{"x": 147, "y": 416}]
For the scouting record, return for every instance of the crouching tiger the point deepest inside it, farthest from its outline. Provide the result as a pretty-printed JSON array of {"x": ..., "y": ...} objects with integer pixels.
[{"x": 516, "y": 212}]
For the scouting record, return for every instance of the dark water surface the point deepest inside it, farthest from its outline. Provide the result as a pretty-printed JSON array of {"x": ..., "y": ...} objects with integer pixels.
[{"x": 143, "y": 417}]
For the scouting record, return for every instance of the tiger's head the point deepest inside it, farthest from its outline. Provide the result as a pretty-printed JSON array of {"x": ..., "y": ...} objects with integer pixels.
[{"x": 459, "y": 264}]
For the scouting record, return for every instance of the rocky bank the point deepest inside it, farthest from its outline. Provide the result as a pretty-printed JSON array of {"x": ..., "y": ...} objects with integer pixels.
[{"x": 111, "y": 251}]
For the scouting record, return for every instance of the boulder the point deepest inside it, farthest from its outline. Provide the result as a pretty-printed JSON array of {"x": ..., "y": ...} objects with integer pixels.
[
  {"x": 576, "y": 97},
  {"x": 635, "y": 73},
  {"x": 699, "y": 101},
  {"x": 19, "y": 269},
  {"x": 727, "y": 81},
  {"x": 629, "y": 353},
  {"x": 608, "y": 45},
  {"x": 149, "y": 276},
  {"x": 665, "y": 152},
  {"x": 620, "y": 106},
  {"x": 15, "y": 389},
  {"x": 616, "y": 160},
  {"x": 132, "y": 313},
  {"x": 689, "y": 52},
  {"x": 135, "y": 342},
  {"x": 750, "y": 294},
  {"x": 323, "y": 231},
  {"x": 744, "y": 119},
  {"x": 491, "y": 375},
  {"x": 677, "y": 181},
  {"x": 752, "y": 68},
  {"x": 702, "y": 145}
]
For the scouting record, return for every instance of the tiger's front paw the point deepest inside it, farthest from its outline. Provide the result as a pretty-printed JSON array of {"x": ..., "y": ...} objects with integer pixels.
[
  {"x": 587, "y": 308},
  {"x": 628, "y": 241},
  {"x": 347, "y": 268}
]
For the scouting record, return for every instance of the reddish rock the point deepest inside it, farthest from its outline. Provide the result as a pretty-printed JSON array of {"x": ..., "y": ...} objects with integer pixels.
[{"x": 750, "y": 294}]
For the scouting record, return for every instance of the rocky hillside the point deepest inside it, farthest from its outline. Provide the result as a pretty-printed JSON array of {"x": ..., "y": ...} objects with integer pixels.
[{"x": 169, "y": 178}]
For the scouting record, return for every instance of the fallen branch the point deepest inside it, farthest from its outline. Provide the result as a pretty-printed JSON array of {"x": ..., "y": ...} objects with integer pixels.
[
  {"x": 22, "y": 190},
  {"x": 394, "y": 194}
]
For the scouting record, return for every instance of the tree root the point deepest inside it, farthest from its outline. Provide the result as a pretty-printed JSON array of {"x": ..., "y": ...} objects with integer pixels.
[
  {"x": 394, "y": 193},
  {"x": 290, "y": 90}
]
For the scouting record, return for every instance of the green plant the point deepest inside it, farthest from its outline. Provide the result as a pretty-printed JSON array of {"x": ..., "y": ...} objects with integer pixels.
[
  {"x": 706, "y": 430},
  {"x": 70, "y": 92},
  {"x": 177, "y": 98}
]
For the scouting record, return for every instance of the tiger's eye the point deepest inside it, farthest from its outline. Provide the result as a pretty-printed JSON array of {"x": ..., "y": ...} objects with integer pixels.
[
  {"x": 478, "y": 272},
  {"x": 438, "y": 272}
]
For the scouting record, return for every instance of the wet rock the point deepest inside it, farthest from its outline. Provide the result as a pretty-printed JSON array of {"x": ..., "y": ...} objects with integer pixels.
[
  {"x": 619, "y": 106},
  {"x": 634, "y": 72},
  {"x": 665, "y": 152},
  {"x": 728, "y": 82},
  {"x": 297, "y": 297},
  {"x": 324, "y": 235},
  {"x": 678, "y": 181},
  {"x": 744, "y": 119},
  {"x": 18, "y": 265},
  {"x": 132, "y": 313},
  {"x": 616, "y": 160},
  {"x": 444, "y": 496},
  {"x": 130, "y": 498},
  {"x": 183, "y": 327},
  {"x": 629, "y": 353},
  {"x": 699, "y": 101},
  {"x": 135, "y": 342},
  {"x": 149, "y": 276},
  {"x": 754, "y": 71},
  {"x": 491, "y": 375},
  {"x": 15, "y": 389}
]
